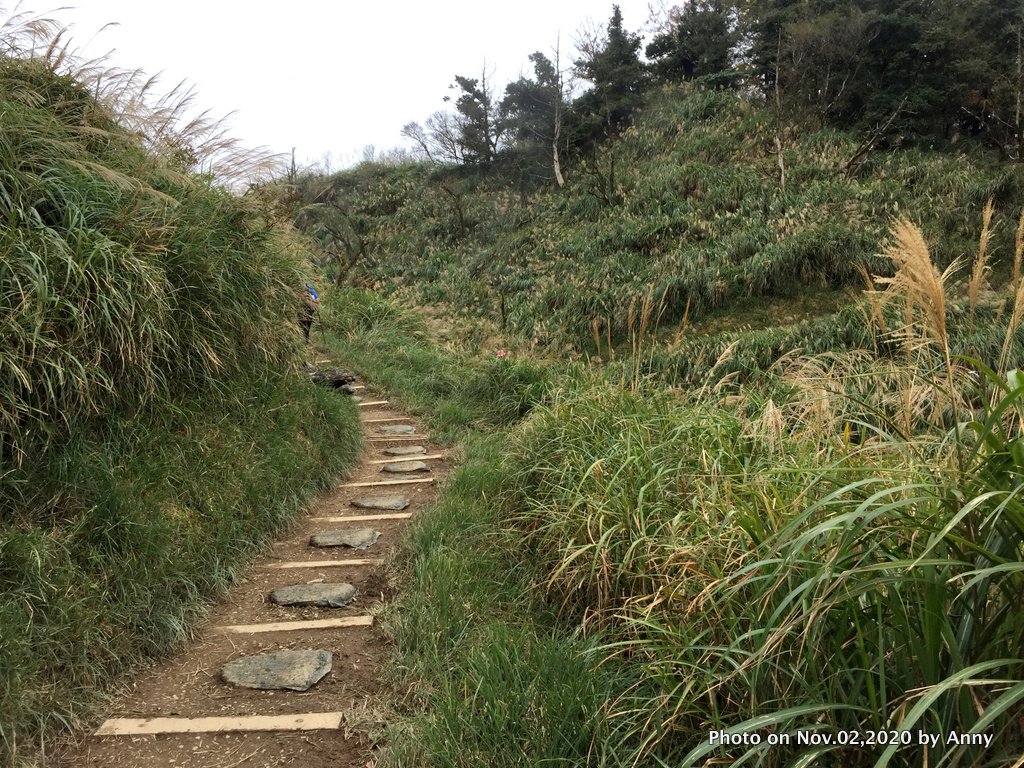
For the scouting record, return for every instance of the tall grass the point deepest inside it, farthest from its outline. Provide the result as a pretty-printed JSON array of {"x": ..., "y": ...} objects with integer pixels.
[
  {"x": 765, "y": 571},
  {"x": 452, "y": 390}
]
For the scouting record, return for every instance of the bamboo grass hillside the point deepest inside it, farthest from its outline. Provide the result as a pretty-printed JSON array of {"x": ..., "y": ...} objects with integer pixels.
[
  {"x": 155, "y": 429},
  {"x": 685, "y": 204}
]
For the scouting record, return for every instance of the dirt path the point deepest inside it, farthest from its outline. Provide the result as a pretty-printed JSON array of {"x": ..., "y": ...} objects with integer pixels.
[{"x": 188, "y": 686}]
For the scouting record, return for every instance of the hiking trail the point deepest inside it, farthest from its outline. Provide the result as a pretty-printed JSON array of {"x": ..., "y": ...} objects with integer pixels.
[{"x": 296, "y": 635}]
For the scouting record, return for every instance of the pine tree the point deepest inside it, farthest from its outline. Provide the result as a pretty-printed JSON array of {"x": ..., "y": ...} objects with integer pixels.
[
  {"x": 700, "y": 42},
  {"x": 618, "y": 76}
]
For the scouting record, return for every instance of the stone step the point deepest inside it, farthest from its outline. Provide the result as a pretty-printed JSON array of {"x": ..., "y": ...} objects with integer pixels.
[
  {"x": 278, "y": 670},
  {"x": 318, "y": 595},
  {"x": 405, "y": 450},
  {"x": 293, "y": 626},
  {"x": 310, "y": 721},
  {"x": 393, "y": 502},
  {"x": 397, "y": 429},
  {"x": 398, "y": 467},
  {"x": 354, "y": 538}
]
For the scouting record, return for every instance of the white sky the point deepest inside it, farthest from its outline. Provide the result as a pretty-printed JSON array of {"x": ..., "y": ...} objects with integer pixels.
[{"x": 327, "y": 77}]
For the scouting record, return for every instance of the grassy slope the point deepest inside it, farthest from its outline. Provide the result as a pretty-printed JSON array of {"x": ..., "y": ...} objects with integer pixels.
[
  {"x": 685, "y": 207},
  {"x": 155, "y": 429}
]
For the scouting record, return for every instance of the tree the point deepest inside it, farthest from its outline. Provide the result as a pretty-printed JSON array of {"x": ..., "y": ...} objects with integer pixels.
[
  {"x": 440, "y": 140},
  {"x": 478, "y": 118},
  {"x": 532, "y": 114},
  {"x": 699, "y": 42},
  {"x": 339, "y": 222},
  {"x": 618, "y": 77},
  {"x": 924, "y": 69}
]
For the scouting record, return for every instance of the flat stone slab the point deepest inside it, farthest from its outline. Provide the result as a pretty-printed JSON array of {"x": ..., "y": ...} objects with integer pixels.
[
  {"x": 278, "y": 671},
  {"x": 320, "y": 595},
  {"x": 381, "y": 502},
  {"x": 405, "y": 450},
  {"x": 406, "y": 466},
  {"x": 356, "y": 538},
  {"x": 397, "y": 429}
]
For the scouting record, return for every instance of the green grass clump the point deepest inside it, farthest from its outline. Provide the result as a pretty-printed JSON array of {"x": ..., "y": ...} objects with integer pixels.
[
  {"x": 116, "y": 546},
  {"x": 484, "y": 674},
  {"x": 760, "y": 576},
  {"x": 453, "y": 391},
  {"x": 832, "y": 548}
]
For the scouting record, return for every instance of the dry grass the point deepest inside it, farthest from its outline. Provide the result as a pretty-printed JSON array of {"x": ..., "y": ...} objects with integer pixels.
[
  {"x": 922, "y": 289},
  {"x": 169, "y": 123},
  {"x": 980, "y": 269},
  {"x": 1018, "y": 252}
]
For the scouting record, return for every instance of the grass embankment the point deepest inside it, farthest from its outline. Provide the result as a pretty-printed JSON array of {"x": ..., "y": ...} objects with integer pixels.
[
  {"x": 155, "y": 428},
  {"x": 627, "y": 571}
]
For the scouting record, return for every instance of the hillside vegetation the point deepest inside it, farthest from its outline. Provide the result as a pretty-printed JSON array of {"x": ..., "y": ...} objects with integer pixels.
[
  {"x": 762, "y": 497},
  {"x": 155, "y": 428},
  {"x": 683, "y": 212}
]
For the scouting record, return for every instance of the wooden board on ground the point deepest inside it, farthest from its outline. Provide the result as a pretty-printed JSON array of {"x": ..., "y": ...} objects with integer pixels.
[
  {"x": 384, "y": 421},
  {"x": 312, "y": 721},
  {"x": 291, "y": 626},
  {"x": 363, "y": 518},
  {"x": 326, "y": 563},
  {"x": 373, "y": 402},
  {"x": 400, "y": 459},
  {"x": 387, "y": 482}
]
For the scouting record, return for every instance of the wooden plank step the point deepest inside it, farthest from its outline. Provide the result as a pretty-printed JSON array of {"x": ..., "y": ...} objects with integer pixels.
[
  {"x": 312, "y": 721},
  {"x": 364, "y": 518},
  {"x": 327, "y": 563},
  {"x": 373, "y": 402},
  {"x": 400, "y": 459},
  {"x": 384, "y": 421},
  {"x": 377, "y": 483},
  {"x": 292, "y": 626},
  {"x": 383, "y": 439}
]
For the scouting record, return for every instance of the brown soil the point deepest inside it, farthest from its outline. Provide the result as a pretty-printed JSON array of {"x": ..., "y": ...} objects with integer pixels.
[{"x": 188, "y": 684}]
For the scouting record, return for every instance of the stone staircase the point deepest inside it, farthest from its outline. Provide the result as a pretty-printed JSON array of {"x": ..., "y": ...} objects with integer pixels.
[{"x": 285, "y": 671}]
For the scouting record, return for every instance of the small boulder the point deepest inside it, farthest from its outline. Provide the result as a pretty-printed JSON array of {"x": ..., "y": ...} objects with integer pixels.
[
  {"x": 398, "y": 429},
  {"x": 381, "y": 502},
  {"x": 405, "y": 450}
]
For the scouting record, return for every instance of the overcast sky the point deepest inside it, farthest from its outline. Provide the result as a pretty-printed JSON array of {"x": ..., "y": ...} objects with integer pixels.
[{"x": 328, "y": 77}]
